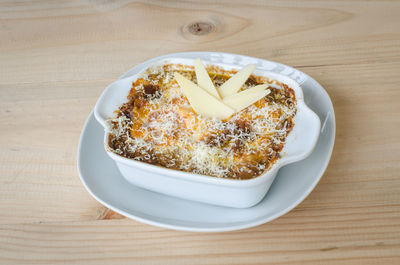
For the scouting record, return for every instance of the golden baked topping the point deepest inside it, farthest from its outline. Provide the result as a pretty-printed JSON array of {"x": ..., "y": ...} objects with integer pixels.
[{"x": 230, "y": 132}]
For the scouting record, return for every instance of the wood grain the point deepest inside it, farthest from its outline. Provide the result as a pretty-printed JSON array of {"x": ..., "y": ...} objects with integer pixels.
[{"x": 56, "y": 58}]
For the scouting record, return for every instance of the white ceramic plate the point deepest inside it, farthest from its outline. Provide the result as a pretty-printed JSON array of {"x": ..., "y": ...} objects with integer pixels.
[{"x": 294, "y": 182}]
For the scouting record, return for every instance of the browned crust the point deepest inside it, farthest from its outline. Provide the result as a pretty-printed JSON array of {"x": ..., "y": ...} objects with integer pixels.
[{"x": 137, "y": 100}]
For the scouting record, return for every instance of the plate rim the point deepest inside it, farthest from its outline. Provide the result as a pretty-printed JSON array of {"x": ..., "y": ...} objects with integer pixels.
[{"x": 248, "y": 224}]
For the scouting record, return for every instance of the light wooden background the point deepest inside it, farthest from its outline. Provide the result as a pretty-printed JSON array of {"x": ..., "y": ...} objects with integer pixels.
[{"x": 56, "y": 58}]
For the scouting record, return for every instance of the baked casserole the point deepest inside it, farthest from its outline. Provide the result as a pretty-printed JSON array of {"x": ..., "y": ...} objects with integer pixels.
[{"x": 157, "y": 125}]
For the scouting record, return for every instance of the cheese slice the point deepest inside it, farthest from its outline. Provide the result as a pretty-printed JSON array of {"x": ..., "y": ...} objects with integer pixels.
[
  {"x": 203, "y": 79},
  {"x": 234, "y": 83},
  {"x": 252, "y": 90},
  {"x": 246, "y": 98},
  {"x": 202, "y": 102}
]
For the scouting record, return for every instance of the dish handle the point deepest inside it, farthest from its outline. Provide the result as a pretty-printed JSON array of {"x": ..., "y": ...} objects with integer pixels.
[
  {"x": 304, "y": 137},
  {"x": 112, "y": 97}
]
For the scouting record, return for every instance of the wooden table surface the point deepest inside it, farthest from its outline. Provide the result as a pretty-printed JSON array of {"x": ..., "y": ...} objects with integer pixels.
[{"x": 57, "y": 57}]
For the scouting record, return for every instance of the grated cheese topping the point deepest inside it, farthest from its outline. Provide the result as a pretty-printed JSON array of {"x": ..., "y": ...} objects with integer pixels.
[{"x": 157, "y": 125}]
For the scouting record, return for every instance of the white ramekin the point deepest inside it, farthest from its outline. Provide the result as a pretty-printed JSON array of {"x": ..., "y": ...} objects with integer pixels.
[{"x": 206, "y": 189}]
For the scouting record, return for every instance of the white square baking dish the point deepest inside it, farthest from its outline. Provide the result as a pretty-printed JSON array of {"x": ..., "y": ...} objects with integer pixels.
[{"x": 218, "y": 191}]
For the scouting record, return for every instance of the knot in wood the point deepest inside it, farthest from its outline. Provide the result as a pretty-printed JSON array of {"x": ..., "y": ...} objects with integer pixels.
[{"x": 200, "y": 28}]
